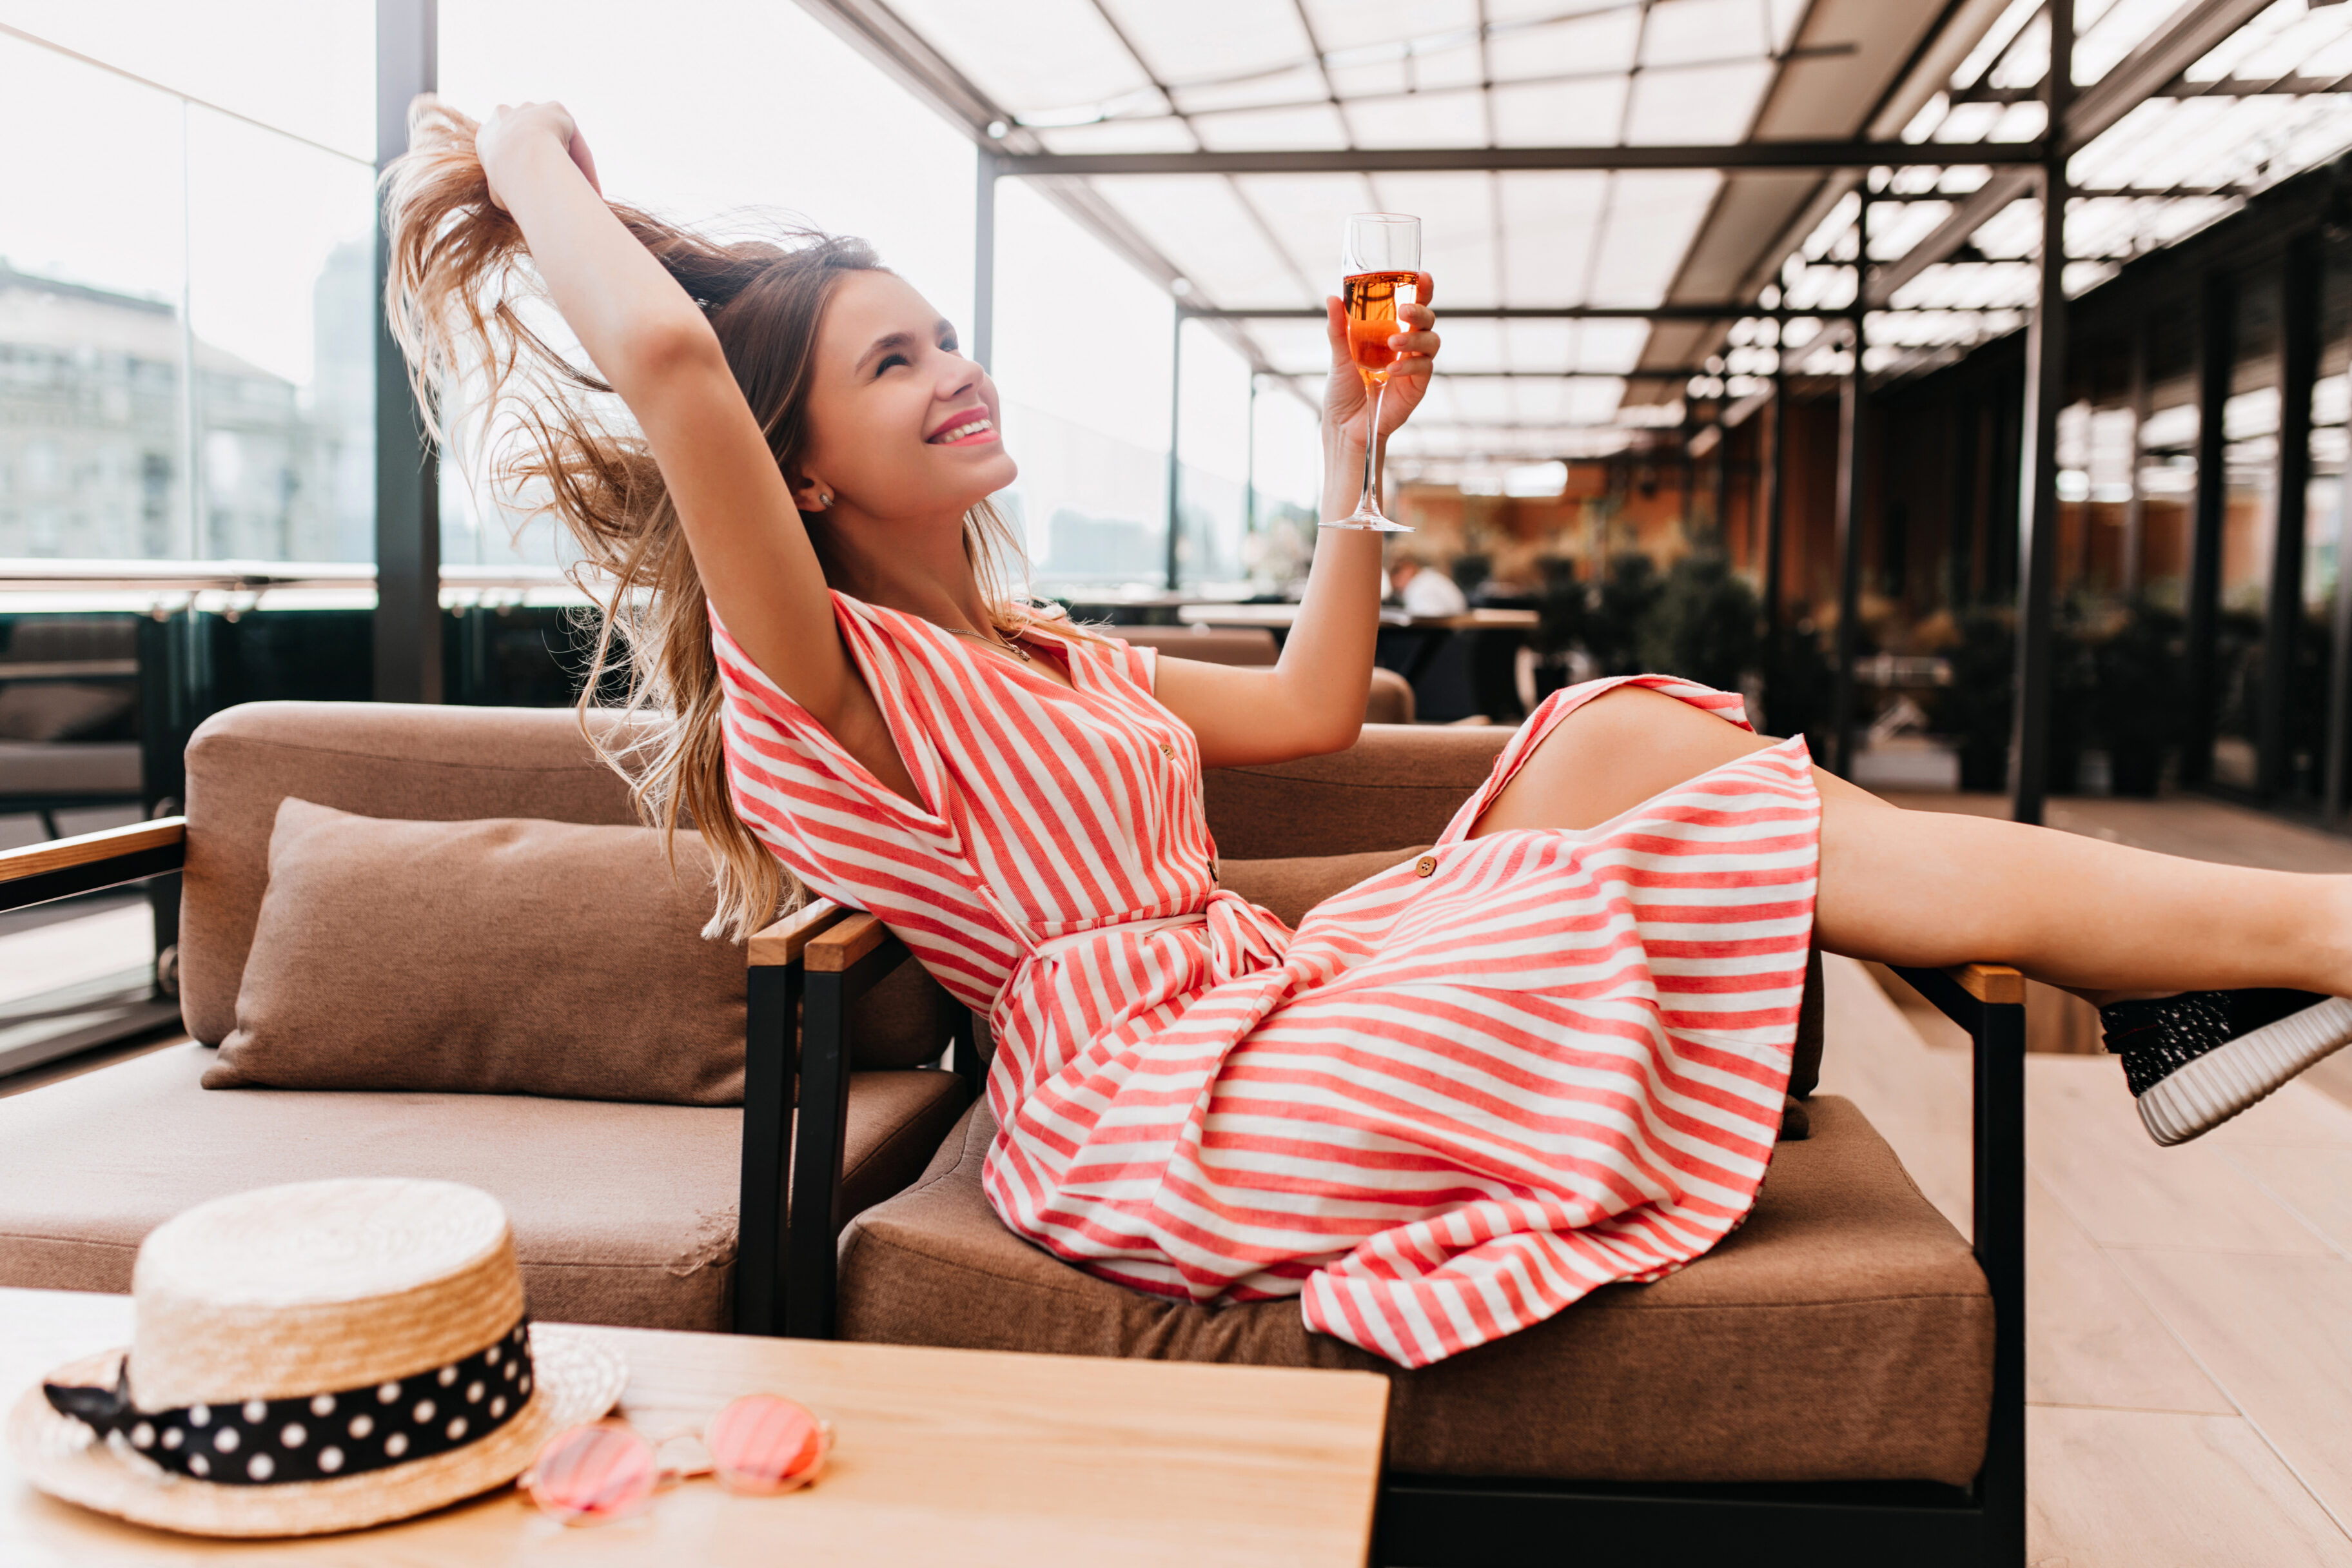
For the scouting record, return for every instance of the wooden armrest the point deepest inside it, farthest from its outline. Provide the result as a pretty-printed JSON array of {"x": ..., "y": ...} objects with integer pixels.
[
  {"x": 89, "y": 849},
  {"x": 839, "y": 947},
  {"x": 1994, "y": 982},
  {"x": 774, "y": 946}
]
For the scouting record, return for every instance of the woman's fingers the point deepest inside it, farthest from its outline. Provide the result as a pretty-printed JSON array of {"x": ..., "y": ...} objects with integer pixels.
[
  {"x": 578, "y": 148},
  {"x": 1335, "y": 326},
  {"x": 1422, "y": 340}
]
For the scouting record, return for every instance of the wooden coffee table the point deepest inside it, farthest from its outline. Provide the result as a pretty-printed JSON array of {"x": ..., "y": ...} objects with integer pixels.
[{"x": 967, "y": 1458}]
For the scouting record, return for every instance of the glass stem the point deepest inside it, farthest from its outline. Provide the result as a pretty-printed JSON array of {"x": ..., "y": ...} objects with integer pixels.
[{"x": 1369, "y": 503}]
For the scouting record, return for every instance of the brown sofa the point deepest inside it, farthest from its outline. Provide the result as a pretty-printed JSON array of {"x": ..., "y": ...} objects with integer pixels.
[
  {"x": 1841, "y": 1380},
  {"x": 622, "y": 1213}
]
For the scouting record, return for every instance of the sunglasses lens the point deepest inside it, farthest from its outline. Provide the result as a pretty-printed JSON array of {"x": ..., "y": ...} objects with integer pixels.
[
  {"x": 763, "y": 1444},
  {"x": 588, "y": 1475}
]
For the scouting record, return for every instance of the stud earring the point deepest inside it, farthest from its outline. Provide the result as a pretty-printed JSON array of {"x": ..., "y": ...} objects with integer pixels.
[{"x": 822, "y": 499}]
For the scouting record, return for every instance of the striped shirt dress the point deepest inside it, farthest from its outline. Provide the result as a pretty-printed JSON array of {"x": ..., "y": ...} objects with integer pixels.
[{"x": 1461, "y": 1095}]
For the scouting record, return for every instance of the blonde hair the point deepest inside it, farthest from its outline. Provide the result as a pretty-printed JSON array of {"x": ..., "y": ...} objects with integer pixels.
[{"x": 458, "y": 275}]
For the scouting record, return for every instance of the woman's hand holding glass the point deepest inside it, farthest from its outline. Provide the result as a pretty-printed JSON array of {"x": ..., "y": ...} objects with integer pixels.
[{"x": 1348, "y": 403}]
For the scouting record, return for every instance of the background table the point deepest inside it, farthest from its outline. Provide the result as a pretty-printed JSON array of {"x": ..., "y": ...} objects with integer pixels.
[
  {"x": 1284, "y": 616},
  {"x": 942, "y": 1457}
]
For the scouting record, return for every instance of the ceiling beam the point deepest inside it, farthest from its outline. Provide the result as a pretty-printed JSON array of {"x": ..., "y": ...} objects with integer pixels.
[
  {"x": 1485, "y": 160},
  {"x": 2193, "y": 32},
  {"x": 1694, "y": 310},
  {"x": 2223, "y": 87}
]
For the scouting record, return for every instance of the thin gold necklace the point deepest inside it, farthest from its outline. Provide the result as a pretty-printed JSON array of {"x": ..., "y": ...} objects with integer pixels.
[{"x": 1015, "y": 649}]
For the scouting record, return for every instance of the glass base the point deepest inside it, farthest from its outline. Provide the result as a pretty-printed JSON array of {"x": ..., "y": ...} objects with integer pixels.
[{"x": 1367, "y": 523}]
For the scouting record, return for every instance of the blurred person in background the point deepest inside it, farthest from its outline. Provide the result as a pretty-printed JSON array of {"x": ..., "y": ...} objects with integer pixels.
[{"x": 1423, "y": 590}]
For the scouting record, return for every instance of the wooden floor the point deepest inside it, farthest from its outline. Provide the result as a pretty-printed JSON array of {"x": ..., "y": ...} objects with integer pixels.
[
  {"x": 2189, "y": 1346},
  {"x": 2188, "y": 1342}
]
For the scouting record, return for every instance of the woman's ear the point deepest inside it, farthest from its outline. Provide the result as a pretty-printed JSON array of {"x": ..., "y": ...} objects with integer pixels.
[{"x": 810, "y": 493}]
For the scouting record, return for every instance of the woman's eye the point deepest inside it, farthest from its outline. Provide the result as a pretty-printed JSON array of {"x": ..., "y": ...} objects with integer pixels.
[
  {"x": 889, "y": 360},
  {"x": 948, "y": 344}
]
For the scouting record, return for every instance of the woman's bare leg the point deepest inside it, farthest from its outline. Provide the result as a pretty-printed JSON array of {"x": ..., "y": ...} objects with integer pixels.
[{"x": 1937, "y": 887}]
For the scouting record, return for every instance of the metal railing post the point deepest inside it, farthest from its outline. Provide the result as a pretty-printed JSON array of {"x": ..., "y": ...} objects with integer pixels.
[
  {"x": 2045, "y": 390},
  {"x": 408, "y": 475}
]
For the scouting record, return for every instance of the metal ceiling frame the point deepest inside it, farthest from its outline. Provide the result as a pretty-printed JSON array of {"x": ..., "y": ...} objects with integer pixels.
[
  {"x": 1851, "y": 155},
  {"x": 1679, "y": 311},
  {"x": 2193, "y": 32},
  {"x": 1006, "y": 149}
]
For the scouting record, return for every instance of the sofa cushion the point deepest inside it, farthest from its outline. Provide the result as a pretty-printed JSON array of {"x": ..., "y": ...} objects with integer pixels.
[
  {"x": 622, "y": 1213},
  {"x": 380, "y": 759},
  {"x": 1398, "y": 784},
  {"x": 1843, "y": 1332},
  {"x": 498, "y": 957}
]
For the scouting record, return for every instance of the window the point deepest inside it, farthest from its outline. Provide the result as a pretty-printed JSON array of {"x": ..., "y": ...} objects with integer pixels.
[{"x": 186, "y": 320}]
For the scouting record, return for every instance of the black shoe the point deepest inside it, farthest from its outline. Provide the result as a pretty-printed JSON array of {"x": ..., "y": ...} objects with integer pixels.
[{"x": 2197, "y": 1059}]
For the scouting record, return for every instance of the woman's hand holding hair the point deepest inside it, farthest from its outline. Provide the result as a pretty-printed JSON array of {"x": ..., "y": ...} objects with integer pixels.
[{"x": 517, "y": 125}]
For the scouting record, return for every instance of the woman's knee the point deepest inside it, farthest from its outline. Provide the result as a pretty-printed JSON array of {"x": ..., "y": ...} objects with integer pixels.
[{"x": 1608, "y": 756}]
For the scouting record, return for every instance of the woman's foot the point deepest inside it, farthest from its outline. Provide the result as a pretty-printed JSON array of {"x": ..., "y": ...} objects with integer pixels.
[{"x": 2197, "y": 1059}]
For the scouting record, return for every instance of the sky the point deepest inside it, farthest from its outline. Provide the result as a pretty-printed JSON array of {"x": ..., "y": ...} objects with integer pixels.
[{"x": 696, "y": 108}]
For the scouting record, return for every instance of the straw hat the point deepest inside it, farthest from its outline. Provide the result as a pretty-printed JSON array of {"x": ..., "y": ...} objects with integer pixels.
[{"x": 311, "y": 1358}]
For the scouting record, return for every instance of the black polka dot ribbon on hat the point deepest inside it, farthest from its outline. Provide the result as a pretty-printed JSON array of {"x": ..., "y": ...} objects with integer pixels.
[{"x": 317, "y": 1437}]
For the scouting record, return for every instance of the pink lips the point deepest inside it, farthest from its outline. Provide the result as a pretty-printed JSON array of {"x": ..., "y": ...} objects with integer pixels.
[{"x": 987, "y": 433}]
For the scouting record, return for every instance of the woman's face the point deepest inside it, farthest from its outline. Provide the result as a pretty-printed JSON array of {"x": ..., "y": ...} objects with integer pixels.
[{"x": 901, "y": 424}]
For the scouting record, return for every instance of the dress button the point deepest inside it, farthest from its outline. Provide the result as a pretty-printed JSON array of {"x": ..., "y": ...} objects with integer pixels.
[
  {"x": 1424, "y": 866},
  {"x": 1167, "y": 750}
]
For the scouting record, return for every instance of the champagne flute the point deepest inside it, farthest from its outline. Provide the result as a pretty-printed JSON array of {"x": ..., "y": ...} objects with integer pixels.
[{"x": 1381, "y": 266}]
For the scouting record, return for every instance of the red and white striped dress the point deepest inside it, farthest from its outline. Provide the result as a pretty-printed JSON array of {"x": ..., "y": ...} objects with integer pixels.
[{"x": 1461, "y": 1095}]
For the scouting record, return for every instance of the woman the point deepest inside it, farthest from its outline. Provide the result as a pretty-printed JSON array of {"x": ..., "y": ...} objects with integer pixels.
[{"x": 1546, "y": 1056}]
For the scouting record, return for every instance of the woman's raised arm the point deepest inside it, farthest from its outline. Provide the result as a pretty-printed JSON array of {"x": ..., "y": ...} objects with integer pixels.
[
  {"x": 1313, "y": 700},
  {"x": 650, "y": 341}
]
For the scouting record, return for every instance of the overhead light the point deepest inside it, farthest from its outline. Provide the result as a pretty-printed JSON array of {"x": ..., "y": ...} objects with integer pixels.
[
  {"x": 1532, "y": 480},
  {"x": 996, "y": 130}
]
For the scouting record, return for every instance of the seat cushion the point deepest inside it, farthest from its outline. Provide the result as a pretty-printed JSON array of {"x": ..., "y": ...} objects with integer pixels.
[
  {"x": 622, "y": 1213},
  {"x": 1843, "y": 1333}
]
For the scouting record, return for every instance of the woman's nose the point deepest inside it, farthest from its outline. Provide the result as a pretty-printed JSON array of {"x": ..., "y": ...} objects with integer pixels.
[{"x": 959, "y": 376}]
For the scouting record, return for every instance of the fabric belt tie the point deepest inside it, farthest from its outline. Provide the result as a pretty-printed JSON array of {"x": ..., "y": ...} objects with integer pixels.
[
  {"x": 1239, "y": 942},
  {"x": 317, "y": 1437}
]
